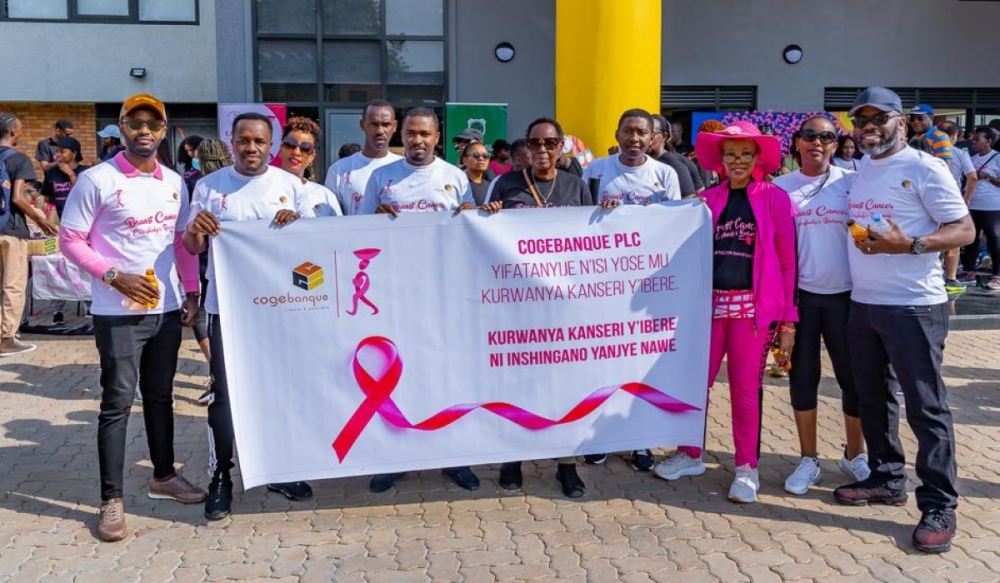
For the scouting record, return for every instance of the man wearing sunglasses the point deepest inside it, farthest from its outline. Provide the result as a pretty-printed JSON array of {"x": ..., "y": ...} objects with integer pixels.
[
  {"x": 123, "y": 219},
  {"x": 348, "y": 177},
  {"x": 249, "y": 190},
  {"x": 899, "y": 315}
]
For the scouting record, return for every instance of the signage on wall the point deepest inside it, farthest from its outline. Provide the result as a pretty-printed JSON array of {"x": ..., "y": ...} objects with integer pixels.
[{"x": 489, "y": 119}]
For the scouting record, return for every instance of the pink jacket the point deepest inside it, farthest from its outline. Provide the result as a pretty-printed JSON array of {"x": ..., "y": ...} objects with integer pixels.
[{"x": 775, "y": 266}]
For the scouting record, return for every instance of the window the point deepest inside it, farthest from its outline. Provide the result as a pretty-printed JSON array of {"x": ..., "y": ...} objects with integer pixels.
[
  {"x": 134, "y": 11},
  {"x": 368, "y": 49}
]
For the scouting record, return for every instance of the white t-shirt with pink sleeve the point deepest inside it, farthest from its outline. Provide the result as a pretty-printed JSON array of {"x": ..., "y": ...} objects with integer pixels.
[{"x": 131, "y": 219}]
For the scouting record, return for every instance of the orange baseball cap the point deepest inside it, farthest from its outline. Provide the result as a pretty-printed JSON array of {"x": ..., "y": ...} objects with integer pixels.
[{"x": 146, "y": 100}]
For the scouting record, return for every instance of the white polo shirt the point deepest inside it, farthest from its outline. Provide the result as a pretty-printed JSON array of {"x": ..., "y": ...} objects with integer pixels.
[
  {"x": 232, "y": 196},
  {"x": 131, "y": 218}
]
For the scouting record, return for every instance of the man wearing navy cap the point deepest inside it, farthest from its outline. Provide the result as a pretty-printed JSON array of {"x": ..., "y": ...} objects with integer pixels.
[{"x": 899, "y": 315}]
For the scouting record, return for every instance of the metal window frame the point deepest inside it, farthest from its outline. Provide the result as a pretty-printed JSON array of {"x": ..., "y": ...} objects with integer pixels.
[
  {"x": 322, "y": 105},
  {"x": 73, "y": 16}
]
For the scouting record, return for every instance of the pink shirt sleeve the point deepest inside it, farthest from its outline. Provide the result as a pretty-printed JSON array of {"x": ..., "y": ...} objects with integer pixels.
[
  {"x": 187, "y": 265},
  {"x": 74, "y": 245},
  {"x": 784, "y": 226}
]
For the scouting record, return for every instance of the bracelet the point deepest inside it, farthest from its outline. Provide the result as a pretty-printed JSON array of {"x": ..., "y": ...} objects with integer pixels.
[{"x": 788, "y": 329}]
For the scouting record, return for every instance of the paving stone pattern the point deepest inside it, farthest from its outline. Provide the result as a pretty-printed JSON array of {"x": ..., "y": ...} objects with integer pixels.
[{"x": 630, "y": 527}]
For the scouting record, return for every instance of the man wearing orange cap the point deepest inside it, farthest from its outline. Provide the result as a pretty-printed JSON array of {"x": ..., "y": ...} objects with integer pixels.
[{"x": 122, "y": 223}]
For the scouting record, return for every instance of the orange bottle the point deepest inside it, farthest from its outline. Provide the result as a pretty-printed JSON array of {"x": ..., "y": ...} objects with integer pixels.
[
  {"x": 151, "y": 278},
  {"x": 858, "y": 233}
]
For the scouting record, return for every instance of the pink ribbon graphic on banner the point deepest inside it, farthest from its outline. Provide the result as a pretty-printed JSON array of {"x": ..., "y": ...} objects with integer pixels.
[{"x": 379, "y": 390}]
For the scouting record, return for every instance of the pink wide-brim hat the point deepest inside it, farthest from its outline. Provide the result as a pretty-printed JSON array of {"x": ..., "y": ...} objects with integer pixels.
[{"x": 708, "y": 147}]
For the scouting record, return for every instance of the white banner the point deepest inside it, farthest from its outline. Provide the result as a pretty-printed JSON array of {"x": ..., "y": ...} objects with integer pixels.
[{"x": 365, "y": 345}]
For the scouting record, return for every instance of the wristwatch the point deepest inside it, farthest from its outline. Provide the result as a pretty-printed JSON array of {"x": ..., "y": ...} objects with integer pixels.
[
  {"x": 917, "y": 247},
  {"x": 110, "y": 275}
]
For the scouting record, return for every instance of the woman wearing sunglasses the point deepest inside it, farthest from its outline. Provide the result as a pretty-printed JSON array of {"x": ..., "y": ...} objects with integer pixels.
[
  {"x": 299, "y": 141},
  {"x": 753, "y": 278},
  {"x": 542, "y": 185},
  {"x": 819, "y": 197},
  {"x": 476, "y": 160}
]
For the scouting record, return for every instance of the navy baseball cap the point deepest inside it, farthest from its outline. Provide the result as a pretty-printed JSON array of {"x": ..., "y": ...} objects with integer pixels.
[
  {"x": 880, "y": 98},
  {"x": 922, "y": 109}
]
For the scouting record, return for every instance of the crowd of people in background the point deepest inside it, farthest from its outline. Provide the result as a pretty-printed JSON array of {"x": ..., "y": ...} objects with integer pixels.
[{"x": 783, "y": 281}]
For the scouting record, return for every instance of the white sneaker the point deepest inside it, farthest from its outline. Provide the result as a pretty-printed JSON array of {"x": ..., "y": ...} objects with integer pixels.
[
  {"x": 745, "y": 486},
  {"x": 678, "y": 465},
  {"x": 857, "y": 469},
  {"x": 993, "y": 283},
  {"x": 804, "y": 476}
]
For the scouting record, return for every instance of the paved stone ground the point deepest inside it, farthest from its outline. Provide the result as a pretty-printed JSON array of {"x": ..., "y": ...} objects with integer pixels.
[{"x": 630, "y": 527}]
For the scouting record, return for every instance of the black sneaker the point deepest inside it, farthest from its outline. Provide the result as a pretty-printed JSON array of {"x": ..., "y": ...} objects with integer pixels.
[
  {"x": 58, "y": 318},
  {"x": 595, "y": 459},
  {"x": 296, "y": 491},
  {"x": 642, "y": 460},
  {"x": 572, "y": 485},
  {"x": 870, "y": 491},
  {"x": 463, "y": 477},
  {"x": 220, "y": 496},
  {"x": 510, "y": 476},
  {"x": 935, "y": 531},
  {"x": 383, "y": 482}
]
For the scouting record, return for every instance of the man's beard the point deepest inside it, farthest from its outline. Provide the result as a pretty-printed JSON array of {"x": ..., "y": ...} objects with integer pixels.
[{"x": 882, "y": 148}]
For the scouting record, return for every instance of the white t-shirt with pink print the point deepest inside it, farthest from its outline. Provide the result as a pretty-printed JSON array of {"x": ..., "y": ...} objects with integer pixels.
[
  {"x": 916, "y": 191},
  {"x": 131, "y": 218}
]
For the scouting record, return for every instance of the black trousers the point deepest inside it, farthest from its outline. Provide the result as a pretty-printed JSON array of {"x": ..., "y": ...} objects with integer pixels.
[
  {"x": 911, "y": 339},
  {"x": 131, "y": 348},
  {"x": 821, "y": 316},
  {"x": 987, "y": 223},
  {"x": 220, "y": 416}
]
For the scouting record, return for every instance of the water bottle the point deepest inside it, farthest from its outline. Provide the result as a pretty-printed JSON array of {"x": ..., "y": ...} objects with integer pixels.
[{"x": 879, "y": 225}]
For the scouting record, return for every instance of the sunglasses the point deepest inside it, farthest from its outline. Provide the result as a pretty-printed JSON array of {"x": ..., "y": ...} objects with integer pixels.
[
  {"x": 547, "y": 143},
  {"x": 880, "y": 120},
  {"x": 480, "y": 156},
  {"x": 136, "y": 124},
  {"x": 825, "y": 138},
  {"x": 291, "y": 144}
]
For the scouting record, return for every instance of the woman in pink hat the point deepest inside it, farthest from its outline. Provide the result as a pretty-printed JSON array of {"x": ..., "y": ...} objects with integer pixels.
[{"x": 754, "y": 276}]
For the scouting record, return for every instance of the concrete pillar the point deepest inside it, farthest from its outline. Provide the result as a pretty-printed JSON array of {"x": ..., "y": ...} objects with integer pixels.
[{"x": 608, "y": 55}]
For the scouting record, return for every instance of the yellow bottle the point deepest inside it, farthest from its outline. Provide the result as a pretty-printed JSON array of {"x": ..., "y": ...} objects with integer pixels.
[
  {"x": 858, "y": 233},
  {"x": 151, "y": 278}
]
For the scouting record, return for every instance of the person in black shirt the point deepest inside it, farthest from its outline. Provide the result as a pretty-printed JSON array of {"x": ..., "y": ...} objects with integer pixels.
[
  {"x": 59, "y": 179},
  {"x": 658, "y": 151},
  {"x": 13, "y": 235},
  {"x": 541, "y": 186},
  {"x": 47, "y": 150},
  {"x": 475, "y": 162}
]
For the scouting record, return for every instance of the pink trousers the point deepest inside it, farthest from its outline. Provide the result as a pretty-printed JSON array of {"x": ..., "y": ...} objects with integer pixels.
[{"x": 746, "y": 351}]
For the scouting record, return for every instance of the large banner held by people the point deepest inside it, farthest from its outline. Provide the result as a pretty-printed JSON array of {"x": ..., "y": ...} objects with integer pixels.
[{"x": 368, "y": 345}]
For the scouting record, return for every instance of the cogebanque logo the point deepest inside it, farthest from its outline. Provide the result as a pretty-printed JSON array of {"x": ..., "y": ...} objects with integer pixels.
[{"x": 307, "y": 277}]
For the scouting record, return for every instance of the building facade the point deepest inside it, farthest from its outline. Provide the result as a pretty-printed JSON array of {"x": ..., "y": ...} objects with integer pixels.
[{"x": 325, "y": 58}]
